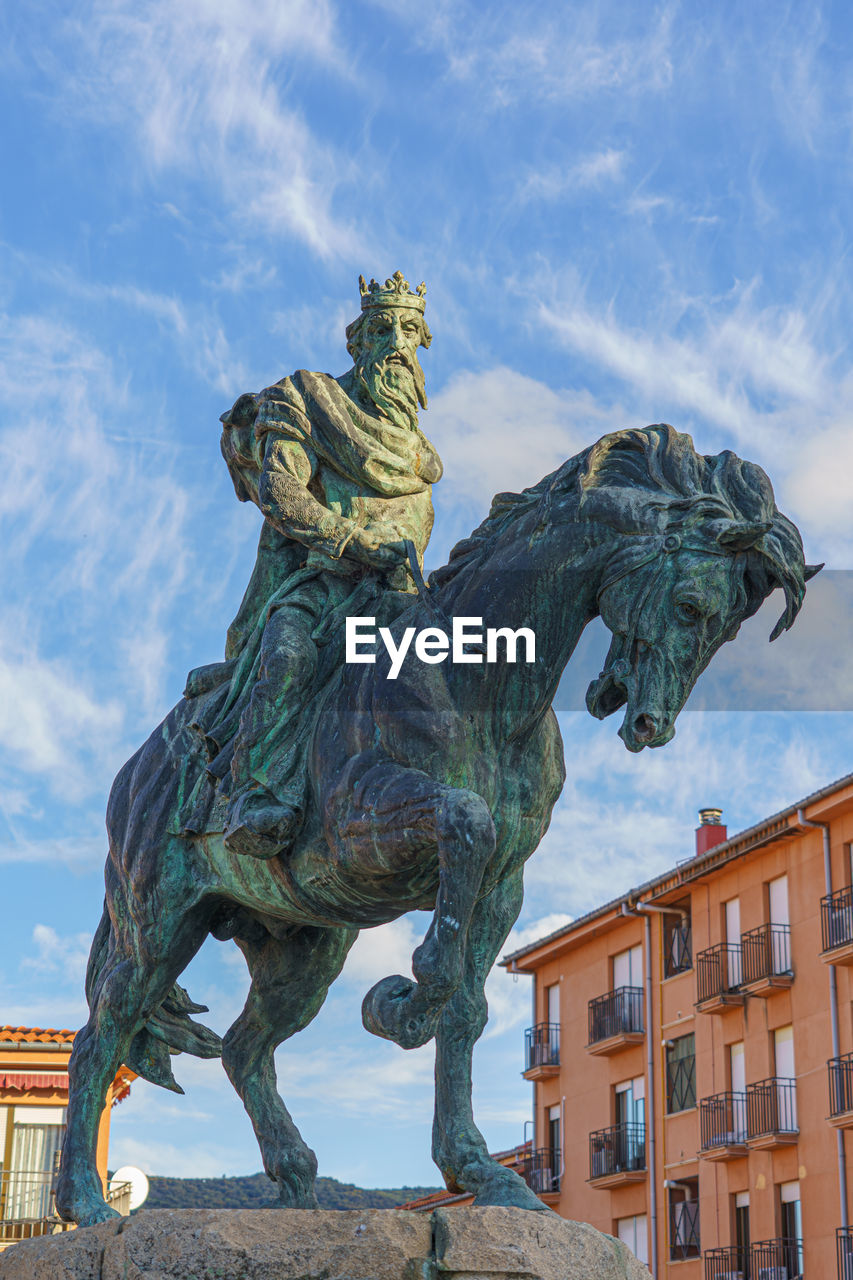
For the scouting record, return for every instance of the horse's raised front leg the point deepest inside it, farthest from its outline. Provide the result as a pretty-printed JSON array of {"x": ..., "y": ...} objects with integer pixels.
[
  {"x": 408, "y": 831},
  {"x": 290, "y": 978},
  {"x": 129, "y": 978},
  {"x": 458, "y": 1147}
]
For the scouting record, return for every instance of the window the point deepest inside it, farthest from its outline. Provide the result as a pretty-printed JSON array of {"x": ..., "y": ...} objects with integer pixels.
[
  {"x": 634, "y": 1232},
  {"x": 677, "y": 941},
  {"x": 555, "y": 1145},
  {"x": 741, "y": 1212},
  {"x": 734, "y": 963},
  {"x": 792, "y": 1227},
  {"x": 628, "y": 968},
  {"x": 37, "y": 1134},
  {"x": 684, "y": 1220},
  {"x": 552, "y": 1004},
  {"x": 780, "y": 920},
  {"x": 737, "y": 1067},
  {"x": 786, "y": 1090},
  {"x": 630, "y": 1101},
  {"x": 681, "y": 1073}
]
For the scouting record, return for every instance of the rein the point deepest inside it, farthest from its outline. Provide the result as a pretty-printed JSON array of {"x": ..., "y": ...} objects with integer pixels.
[{"x": 668, "y": 545}]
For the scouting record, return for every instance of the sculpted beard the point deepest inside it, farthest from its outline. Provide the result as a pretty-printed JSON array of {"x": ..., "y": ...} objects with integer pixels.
[{"x": 395, "y": 383}]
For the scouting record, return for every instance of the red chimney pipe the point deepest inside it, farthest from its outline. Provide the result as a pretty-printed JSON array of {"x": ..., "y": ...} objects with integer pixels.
[{"x": 710, "y": 831}]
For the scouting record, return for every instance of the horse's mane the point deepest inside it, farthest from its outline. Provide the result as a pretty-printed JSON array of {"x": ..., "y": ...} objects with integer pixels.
[{"x": 645, "y": 481}]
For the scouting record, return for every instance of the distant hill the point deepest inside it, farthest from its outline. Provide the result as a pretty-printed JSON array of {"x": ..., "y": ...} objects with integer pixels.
[{"x": 256, "y": 1191}]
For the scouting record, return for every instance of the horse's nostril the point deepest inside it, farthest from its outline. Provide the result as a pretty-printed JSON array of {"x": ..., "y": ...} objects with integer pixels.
[{"x": 644, "y": 728}]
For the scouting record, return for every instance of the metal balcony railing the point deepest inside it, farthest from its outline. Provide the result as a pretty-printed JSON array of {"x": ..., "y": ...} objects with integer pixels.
[
  {"x": 722, "y": 1120},
  {"x": 683, "y": 1229},
  {"x": 844, "y": 1252},
  {"x": 678, "y": 955},
  {"x": 619, "y": 1149},
  {"x": 719, "y": 971},
  {"x": 616, "y": 1013},
  {"x": 542, "y": 1045},
  {"x": 731, "y": 1263},
  {"x": 541, "y": 1170},
  {"x": 27, "y": 1206},
  {"x": 780, "y": 1259},
  {"x": 836, "y": 918},
  {"x": 766, "y": 952},
  {"x": 771, "y": 1107},
  {"x": 840, "y": 1084}
]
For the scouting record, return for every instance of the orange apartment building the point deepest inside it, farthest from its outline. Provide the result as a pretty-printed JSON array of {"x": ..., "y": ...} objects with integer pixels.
[
  {"x": 33, "y": 1101},
  {"x": 691, "y": 1054}
]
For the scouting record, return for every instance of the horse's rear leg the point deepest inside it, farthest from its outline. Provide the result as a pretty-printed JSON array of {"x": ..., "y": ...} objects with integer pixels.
[
  {"x": 458, "y": 1147},
  {"x": 136, "y": 973},
  {"x": 290, "y": 978},
  {"x": 404, "y": 824}
]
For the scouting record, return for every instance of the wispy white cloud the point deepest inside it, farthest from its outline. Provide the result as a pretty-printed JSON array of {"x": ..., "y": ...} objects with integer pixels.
[
  {"x": 501, "y": 430},
  {"x": 63, "y": 955},
  {"x": 761, "y": 377},
  {"x": 750, "y": 765},
  {"x": 72, "y": 851},
  {"x": 48, "y": 719},
  {"x": 380, "y": 1078},
  {"x": 588, "y": 172},
  {"x": 206, "y": 84},
  {"x": 557, "y": 54}
]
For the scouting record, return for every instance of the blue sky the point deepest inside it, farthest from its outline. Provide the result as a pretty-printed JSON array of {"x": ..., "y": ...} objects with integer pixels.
[{"x": 624, "y": 214}]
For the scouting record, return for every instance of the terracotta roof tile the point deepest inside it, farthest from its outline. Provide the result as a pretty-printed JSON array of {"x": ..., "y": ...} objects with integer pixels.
[{"x": 36, "y": 1035}]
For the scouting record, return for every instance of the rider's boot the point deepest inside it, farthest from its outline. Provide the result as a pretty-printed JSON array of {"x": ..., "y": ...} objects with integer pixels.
[
  {"x": 259, "y": 826},
  {"x": 262, "y": 824}
]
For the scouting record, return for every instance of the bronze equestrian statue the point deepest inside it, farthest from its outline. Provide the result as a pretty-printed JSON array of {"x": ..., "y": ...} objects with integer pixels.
[{"x": 291, "y": 799}]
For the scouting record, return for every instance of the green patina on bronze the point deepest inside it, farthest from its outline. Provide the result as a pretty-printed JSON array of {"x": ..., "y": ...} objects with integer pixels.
[{"x": 290, "y": 800}]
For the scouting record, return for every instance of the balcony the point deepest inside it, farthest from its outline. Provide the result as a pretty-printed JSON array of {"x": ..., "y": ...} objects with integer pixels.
[
  {"x": 616, "y": 1020},
  {"x": 542, "y": 1051},
  {"x": 841, "y": 1091},
  {"x": 766, "y": 959},
  {"x": 26, "y": 1206},
  {"x": 731, "y": 1263},
  {"x": 540, "y": 1169},
  {"x": 722, "y": 1126},
  {"x": 771, "y": 1113},
  {"x": 617, "y": 1155},
  {"x": 719, "y": 971},
  {"x": 836, "y": 926},
  {"x": 779, "y": 1259},
  {"x": 844, "y": 1249}
]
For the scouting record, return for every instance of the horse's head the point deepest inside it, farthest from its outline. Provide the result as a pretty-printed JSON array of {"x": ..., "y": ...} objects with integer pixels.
[{"x": 699, "y": 545}]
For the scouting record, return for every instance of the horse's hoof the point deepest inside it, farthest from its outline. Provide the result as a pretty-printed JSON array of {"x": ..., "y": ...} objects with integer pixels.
[
  {"x": 509, "y": 1193},
  {"x": 390, "y": 1010},
  {"x": 91, "y": 1217}
]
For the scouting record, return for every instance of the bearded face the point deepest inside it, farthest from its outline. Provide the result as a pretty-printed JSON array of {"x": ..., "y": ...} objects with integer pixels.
[{"x": 385, "y": 349}]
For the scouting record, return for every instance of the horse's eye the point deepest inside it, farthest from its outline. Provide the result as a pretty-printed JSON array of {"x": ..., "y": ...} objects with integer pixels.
[{"x": 687, "y": 611}]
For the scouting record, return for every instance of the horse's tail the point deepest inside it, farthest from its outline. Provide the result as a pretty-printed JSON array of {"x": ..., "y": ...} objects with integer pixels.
[{"x": 169, "y": 1030}]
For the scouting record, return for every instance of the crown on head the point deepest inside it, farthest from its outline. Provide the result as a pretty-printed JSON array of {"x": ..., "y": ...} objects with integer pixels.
[{"x": 394, "y": 293}]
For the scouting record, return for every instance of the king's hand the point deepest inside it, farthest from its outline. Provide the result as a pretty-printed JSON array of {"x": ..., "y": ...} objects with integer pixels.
[{"x": 379, "y": 546}]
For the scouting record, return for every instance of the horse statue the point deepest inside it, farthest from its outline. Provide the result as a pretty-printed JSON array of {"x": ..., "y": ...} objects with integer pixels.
[{"x": 428, "y": 791}]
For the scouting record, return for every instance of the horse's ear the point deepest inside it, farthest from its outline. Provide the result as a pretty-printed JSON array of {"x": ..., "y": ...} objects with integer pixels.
[
  {"x": 740, "y": 535},
  {"x": 810, "y": 570}
]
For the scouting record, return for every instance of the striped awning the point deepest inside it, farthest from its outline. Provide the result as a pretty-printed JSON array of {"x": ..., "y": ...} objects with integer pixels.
[{"x": 26, "y": 1080}]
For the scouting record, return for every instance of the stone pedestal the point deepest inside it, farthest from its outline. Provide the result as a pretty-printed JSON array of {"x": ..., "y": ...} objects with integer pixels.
[{"x": 301, "y": 1244}]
